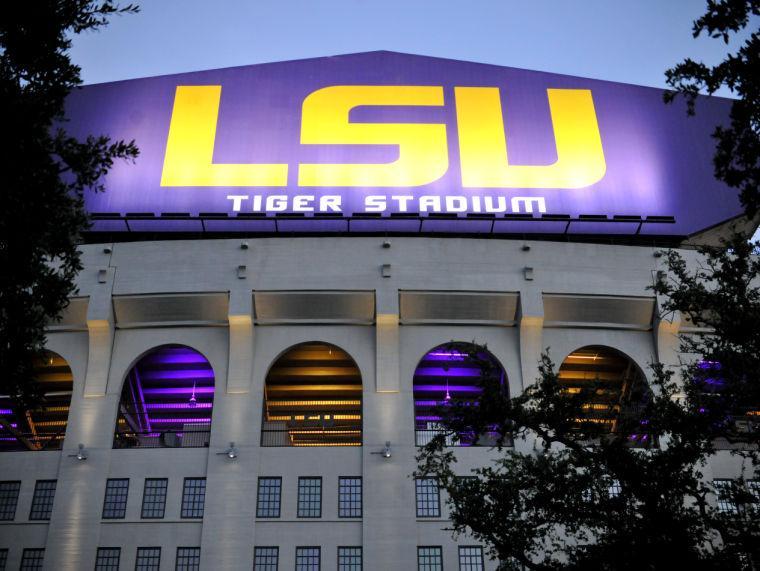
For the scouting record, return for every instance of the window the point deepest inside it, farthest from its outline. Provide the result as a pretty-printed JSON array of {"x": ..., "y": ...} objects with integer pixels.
[
  {"x": 615, "y": 488},
  {"x": 349, "y": 497},
  {"x": 8, "y": 499},
  {"x": 307, "y": 558},
  {"x": 188, "y": 559},
  {"x": 471, "y": 559},
  {"x": 154, "y": 498},
  {"x": 429, "y": 559},
  {"x": 266, "y": 558},
  {"x": 193, "y": 497},
  {"x": 309, "y": 497},
  {"x": 725, "y": 491},
  {"x": 349, "y": 559},
  {"x": 428, "y": 498},
  {"x": 148, "y": 559},
  {"x": 42, "y": 502},
  {"x": 268, "y": 500},
  {"x": 108, "y": 559},
  {"x": 32, "y": 559},
  {"x": 115, "y": 502},
  {"x": 3, "y": 559},
  {"x": 753, "y": 487}
]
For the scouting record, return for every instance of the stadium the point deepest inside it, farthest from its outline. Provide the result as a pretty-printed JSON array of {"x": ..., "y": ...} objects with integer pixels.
[{"x": 263, "y": 326}]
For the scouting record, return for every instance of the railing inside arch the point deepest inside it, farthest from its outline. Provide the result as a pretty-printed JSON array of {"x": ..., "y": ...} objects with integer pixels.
[
  {"x": 192, "y": 432},
  {"x": 325, "y": 430}
]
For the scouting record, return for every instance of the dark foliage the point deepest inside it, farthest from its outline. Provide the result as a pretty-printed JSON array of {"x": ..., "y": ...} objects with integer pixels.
[
  {"x": 45, "y": 173},
  {"x": 737, "y": 156}
]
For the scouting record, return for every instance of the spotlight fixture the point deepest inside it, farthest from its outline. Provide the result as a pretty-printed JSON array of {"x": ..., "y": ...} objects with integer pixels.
[
  {"x": 81, "y": 453},
  {"x": 231, "y": 452},
  {"x": 386, "y": 451}
]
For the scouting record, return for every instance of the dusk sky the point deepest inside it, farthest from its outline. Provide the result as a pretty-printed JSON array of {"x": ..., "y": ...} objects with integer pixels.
[{"x": 617, "y": 40}]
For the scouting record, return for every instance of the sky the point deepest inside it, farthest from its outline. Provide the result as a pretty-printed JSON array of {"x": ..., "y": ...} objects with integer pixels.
[{"x": 632, "y": 41}]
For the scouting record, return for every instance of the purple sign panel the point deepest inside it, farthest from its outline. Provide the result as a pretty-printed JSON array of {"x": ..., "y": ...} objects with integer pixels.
[{"x": 381, "y": 134}]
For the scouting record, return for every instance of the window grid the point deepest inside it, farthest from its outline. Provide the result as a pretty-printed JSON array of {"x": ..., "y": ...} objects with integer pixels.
[
  {"x": 308, "y": 558},
  {"x": 148, "y": 559},
  {"x": 471, "y": 559},
  {"x": 32, "y": 559},
  {"x": 614, "y": 489},
  {"x": 115, "y": 501},
  {"x": 428, "y": 497},
  {"x": 154, "y": 498},
  {"x": 193, "y": 497},
  {"x": 429, "y": 559},
  {"x": 349, "y": 559},
  {"x": 753, "y": 487},
  {"x": 724, "y": 490},
  {"x": 349, "y": 496},
  {"x": 188, "y": 559},
  {"x": 8, "y": 499},
  {"x": 268, "y": 497},
  {"x": 108, "y": 559},
  {"x": 42, "y": 501},
  {"x": 309, "y": 497},
  {"x": 266, "y": 558},
  {"x": 3, "y": 559}
]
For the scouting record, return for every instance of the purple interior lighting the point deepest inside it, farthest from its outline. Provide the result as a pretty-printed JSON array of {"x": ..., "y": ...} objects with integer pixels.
[{"x": 157, "y": 391}]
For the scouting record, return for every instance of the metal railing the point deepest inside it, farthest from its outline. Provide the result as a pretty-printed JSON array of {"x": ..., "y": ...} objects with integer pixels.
[
  {"x": 310, "y": 433},
  {"x": 187, "y": 437},
  {"x": 422, "y": 437},
  {"x": 29, "y": 441}
]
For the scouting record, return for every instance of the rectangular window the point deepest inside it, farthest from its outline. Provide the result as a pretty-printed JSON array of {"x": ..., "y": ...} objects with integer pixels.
[
  {"x": 471, "y": 559},
  {"x": 307, "y": 558},
  {"x": 188, "y": 559},
  {"x": 154, "y": 498},
  {"x": 148, "y": 559},
  {"x": 615, "y": 488},
  {"x": 429, "y": 559},
  {"x": 108, "y": 559},
  {"x": 115, "y": 502},
  {"x": 3, "y": 559},
  {"x": 42, "y": 502},
  {"x": 349, "y": 497},
  {"x": 32, "y": 559},
  {"x": 725, "y": 492},
  {"x": 428, "y": 497},
  {"x": 8, "y": 499},
  {"x": 349, "y": 559},
  {"x": 193, "y": 497},
  {"x": 309, "y": 497},
  {"x": 266, "y": 558},
  {"x": 268, "y": 498}
]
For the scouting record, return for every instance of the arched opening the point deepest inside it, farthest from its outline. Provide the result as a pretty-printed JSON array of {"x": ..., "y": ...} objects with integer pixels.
[
  {"x": 313, "y": 397},
  {"x": 166, "y": 401},
  {"x": 42, "y": 427},
  {"x": 612, "y": 387},
  {"x": 450, "y": 373}
]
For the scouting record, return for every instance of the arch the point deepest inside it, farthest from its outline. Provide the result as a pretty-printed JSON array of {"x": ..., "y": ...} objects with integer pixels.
[
  {"x": 42, "y": 427},
  {"x": 313, "y": 397},
  {"x": 447, "y": 373},
  {"x": 167, "y": 400},
  {"x": 611, "y": 385}
]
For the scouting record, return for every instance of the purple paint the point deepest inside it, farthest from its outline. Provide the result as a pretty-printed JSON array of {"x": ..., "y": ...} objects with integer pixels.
[{"x": 658, "y": 160}]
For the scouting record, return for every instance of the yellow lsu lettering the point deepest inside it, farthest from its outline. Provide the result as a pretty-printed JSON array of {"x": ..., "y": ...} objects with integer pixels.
[
  {"x": 423, "y": 151},
  {"x": 422, "y": 147},
  {"x": 483, "y": 148}
]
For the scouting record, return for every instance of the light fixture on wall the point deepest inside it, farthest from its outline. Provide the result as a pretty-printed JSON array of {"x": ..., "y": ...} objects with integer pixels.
[
  {"x": 231, "y": 452},
  {"x": 81, "y": 453},
  {"x": 386, "y": 451},
  {"x": 193, "y": 401}
]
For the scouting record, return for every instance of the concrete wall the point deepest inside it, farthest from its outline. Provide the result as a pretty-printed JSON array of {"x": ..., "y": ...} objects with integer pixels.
[{"x": 101, "y": 352}]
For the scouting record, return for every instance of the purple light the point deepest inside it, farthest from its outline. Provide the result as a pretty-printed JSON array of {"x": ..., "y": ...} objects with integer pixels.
[
  {"x": 177, "y": 405},
  {"x": 179, "y": 391},
  {"x": 182, "y": 374},
  {"x": 6, "y": 411},
  {"x": 452, "y": 388},
  {"x": 447, "y": 372},
  {"x": 428, "y": 417},
  {"x": 180, "y": 420}
]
